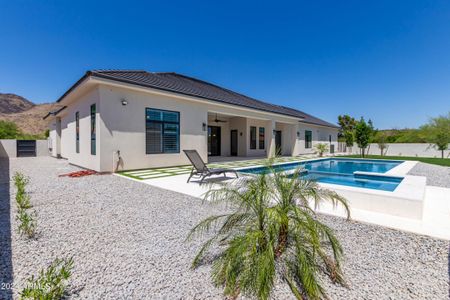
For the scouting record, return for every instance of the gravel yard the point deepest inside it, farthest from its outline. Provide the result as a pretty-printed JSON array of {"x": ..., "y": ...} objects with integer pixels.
[
  {"x": 127, "y": 240},
  {"x": 436, "y": 175}
]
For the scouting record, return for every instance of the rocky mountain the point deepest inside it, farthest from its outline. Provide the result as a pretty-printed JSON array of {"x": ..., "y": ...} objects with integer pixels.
[
  {"x": 12, "y": 103},
  {"x": 27, "y": 115}
]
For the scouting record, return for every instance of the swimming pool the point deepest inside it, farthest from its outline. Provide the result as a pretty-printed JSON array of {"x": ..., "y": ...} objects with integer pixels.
[{"x": 342, "y": 171}]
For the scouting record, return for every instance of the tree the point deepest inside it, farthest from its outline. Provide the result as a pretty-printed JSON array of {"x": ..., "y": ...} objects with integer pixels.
[
  {"x": 381, "y": 141},
  {"x": 363, "y": 134},
  {"x": 321, "y": 148},
  {"x": 347, "y": 125},
  {"x": 8, "y": 130},
  {"x": 437, "y": 132},
  {"x": 271, "y": 231}
]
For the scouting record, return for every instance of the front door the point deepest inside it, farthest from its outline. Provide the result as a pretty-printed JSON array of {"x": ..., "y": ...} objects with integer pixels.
[
  {"x": 278, "y": 142},
  {"x": 234, "y": 143},
  {"x": 213, "y": 140}
]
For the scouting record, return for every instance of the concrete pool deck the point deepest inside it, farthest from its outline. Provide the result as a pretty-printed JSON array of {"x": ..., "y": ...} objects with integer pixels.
[{"x": 412, "y": 207}]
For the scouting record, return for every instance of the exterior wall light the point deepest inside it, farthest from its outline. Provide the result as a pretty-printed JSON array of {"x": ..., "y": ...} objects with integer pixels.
[
  {"x": 124, "y": 102},
  {"x": 204, "y": 126},
  {"x": 274, "y": 132},
  {"x": 298, "y": 134}
]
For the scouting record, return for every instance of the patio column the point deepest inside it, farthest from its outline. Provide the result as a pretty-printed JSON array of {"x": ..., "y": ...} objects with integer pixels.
[
  {"x": 270, "y": 127},
  {"x": 295, "y": 149}
]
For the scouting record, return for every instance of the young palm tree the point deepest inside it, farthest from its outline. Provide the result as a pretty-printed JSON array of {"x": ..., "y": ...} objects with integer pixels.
[
  {"x": 321, "y": 148},
  {"x": 271, "y": 231}
]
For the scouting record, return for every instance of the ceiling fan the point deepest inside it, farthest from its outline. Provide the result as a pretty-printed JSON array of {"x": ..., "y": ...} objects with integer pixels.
[{"x": 216, "y": 120}]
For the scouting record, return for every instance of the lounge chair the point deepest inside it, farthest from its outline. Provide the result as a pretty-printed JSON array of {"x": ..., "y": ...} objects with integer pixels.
[{"x": 200, "y": 168}]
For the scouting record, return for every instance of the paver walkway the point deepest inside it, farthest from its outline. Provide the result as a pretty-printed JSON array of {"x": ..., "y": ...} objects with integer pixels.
[{"x": 145, "y": 174}]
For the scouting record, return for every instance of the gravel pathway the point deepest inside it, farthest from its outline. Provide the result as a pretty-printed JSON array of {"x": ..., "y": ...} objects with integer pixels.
[
  {"x": 127, "y": 239},
  {"x": 436, "y": 175}
]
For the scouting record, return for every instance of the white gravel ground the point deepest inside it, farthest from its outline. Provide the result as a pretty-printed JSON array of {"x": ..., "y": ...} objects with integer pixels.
[
  {"x": 127, "y": 239},
  {"x": 436, "y": 175}
]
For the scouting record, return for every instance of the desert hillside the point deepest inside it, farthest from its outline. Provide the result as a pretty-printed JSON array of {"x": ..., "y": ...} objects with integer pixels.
[{"x": 27, "y": 115}]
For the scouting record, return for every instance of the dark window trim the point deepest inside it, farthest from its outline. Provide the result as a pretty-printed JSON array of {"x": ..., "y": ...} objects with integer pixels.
[
  {"x": 262, "y": 141},
  {"x": 162, "y": 128},
  {"x": 93, "y": 129},
  {"x": 77, "y": 132},
  {"x": 252, "y": 138},
  {"x": 308, "y": 143}
]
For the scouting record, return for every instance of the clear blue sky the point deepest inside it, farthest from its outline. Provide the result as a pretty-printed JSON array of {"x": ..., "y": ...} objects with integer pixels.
[{"x": 385, "y": 60}]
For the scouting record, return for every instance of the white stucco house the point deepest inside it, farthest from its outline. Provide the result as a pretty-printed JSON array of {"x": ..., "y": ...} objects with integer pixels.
[{"x": 147, "y": 119}]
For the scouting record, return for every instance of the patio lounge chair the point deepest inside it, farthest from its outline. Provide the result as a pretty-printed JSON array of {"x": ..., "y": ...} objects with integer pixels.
[{"x": 200, "y": 168}]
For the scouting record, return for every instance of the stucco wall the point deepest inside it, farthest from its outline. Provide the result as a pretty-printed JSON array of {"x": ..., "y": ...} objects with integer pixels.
[
  {"x": 68, "y": 144},
  {"x": 8, "y": 148},
  {"x": 406, "y": 149},
  {"x": 319, "y": 135},
  {"x": 123, "y": 128}
]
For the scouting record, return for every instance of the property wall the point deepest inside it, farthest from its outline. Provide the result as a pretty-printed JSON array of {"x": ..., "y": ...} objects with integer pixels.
[
  {"x": 406, "y": 149},
  {"x": 8, "y": 148},
  {"x": 123, "y": 128},
  {"x": 68, "y": 144}
]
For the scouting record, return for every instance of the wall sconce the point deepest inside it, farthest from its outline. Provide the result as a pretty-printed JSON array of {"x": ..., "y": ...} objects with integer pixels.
[
  {"x": 204, "y": 126},
  {"x": 274, "y": 132},
  {"x": 298, "y": 134},
  {"x": 124, "y": 102},
  {"x": 240, "y": 133}
]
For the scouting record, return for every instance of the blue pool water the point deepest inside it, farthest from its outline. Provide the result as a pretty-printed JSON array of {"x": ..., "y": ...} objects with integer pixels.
[{"x": 341, "y": 171}]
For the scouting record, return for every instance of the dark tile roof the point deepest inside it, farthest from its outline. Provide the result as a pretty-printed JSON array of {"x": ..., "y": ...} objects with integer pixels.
[{"x": 185, "y": 85}]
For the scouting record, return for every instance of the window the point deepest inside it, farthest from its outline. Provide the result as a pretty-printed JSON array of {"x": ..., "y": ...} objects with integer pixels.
[
  {"x": 77, "y": 132},
  {"x": 261, "y": 138},
  {"x": 308, "y": 139},
  {"x": 93, "y": 130},
  {"x": 252, "y": 137},
  {"x": 162, "y": 131}
]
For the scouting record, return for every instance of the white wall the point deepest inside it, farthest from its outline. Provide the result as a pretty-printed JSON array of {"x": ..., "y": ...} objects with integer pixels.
[
  {"x": 320, "y": 134},
  {"x": 123, "y": 128},
  {"x": 8, "y": 148},
  {"x": 68, "y": 144},
  {"x": 406, "y": 149}
]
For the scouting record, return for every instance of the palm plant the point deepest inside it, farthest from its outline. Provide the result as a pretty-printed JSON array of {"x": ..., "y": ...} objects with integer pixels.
[
  {"x": 271, "y": 231},
  {"x": 321, "y": 148}
]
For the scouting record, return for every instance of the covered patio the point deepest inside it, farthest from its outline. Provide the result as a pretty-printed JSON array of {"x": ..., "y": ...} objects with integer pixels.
[{"x": 234, "y": 137}]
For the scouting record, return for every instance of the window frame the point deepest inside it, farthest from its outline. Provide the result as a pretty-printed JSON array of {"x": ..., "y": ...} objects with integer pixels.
[
  {"x": 252, "y": 137},
  {"x": 163, "y": 123},
  {"x": 308, "y": 142},
  {"x": 93, "y": 129},
  {"x": 262, "y": 138},
  {"x": 77, "y": 132}
]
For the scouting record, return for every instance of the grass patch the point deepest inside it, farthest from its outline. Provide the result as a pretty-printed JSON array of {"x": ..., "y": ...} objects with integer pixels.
[{"x": 429, "y": 160}]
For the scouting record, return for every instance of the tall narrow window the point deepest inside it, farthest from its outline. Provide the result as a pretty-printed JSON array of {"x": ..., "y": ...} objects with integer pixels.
[
  {"x": 308, "y": 139},
  {"x": 77, "y": 132},
  {"x": 162, "y": 131},
  {"x": 252, "y": 137},
  {"x": 261, "y": 138},
  {"x": 93, "y": 130}
]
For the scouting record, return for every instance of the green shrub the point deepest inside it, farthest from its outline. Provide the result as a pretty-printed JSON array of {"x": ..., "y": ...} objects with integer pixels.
[
  {"x": 51, "y": 283},
  {"x": 27, "y": 223},
  {"x": 27, "y": 220},
  {"x": 8, "y": 130}
]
